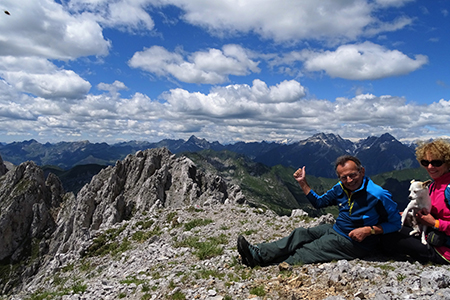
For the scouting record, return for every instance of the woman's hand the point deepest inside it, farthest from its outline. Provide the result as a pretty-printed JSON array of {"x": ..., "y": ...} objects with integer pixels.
[{"x": 424, "y": 217}]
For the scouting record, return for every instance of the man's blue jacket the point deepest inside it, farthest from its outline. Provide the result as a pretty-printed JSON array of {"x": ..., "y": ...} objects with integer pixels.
[{"x": 368, "y": 206}]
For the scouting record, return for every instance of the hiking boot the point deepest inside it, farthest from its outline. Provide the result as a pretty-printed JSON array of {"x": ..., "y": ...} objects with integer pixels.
[{"x": 250, "y": 254}]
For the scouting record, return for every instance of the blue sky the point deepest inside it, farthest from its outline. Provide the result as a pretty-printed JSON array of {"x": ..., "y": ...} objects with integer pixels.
[{"x": 223, "y": 70}]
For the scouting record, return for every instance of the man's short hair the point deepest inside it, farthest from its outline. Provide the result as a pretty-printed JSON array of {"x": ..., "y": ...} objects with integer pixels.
[{"x": 341, "y": 160}]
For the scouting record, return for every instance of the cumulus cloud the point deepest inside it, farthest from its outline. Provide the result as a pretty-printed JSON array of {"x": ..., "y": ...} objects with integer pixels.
[
  {"x": 42, "y": 78},
  {"x": 289, "y": 20},
  {"x": 43, "y": 93},
  {"x": 365, "y": 61},
  {"x": 208, "y": 67},
  {"x": 129, "y": 15},
  {"x": 45, "y": 29},
  {"x": 227, "y": 114}
]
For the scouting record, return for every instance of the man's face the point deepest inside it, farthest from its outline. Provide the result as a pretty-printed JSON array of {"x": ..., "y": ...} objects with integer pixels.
[{"x": 350, "y": 176}]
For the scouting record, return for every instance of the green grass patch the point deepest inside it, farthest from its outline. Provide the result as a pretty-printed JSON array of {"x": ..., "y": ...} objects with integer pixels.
[
  {"x": 386, "y": 267},
  {"x": 146, "y": 297},
  {"x": 401, "y": 277},
  {"x": 203, "y": 250},
  {"x": 178, "y": 295},
  {"x": 141, "y": 236},
  {"x": 207, "y": 273},
  {"x": 258, "y": 291},
  {"x": 249, "y": 232},
  {"x": 106, "y": 243},
  {"x": 193, "y": 209},
  {"x": 197, "y": 222},
  {"x": 77, "y": 288},
  {"x": 145, "y": 224}
]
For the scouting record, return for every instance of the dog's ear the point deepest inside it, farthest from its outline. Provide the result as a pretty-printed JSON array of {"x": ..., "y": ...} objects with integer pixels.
[
  {"x": 412, "y": 181},
  {"x": 427, "y": 183}
]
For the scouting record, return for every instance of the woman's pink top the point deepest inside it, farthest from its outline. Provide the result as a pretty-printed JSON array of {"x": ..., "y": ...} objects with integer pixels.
[{"x": 440, "y": 210}]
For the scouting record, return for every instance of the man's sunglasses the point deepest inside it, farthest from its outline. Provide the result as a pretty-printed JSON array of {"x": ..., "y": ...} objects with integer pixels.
[{"x": 434, "y": 163}]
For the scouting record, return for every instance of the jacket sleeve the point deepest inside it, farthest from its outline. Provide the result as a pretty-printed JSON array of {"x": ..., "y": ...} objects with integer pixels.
[
  {"x": 389, "y": 214},
  {"x": 444, "y": 225},
  {"x": 327, "y": 199}
]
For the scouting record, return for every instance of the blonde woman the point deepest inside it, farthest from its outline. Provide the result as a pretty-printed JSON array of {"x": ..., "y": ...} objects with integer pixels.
[{"x": 435, "y": 158}]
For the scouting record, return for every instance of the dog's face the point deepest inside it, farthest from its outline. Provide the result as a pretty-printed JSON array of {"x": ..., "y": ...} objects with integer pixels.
[{"x": 418, "y": 190}]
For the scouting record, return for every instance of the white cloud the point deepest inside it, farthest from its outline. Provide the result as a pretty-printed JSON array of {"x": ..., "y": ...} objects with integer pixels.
[
  {"x": 227, "y": 114},
  {"x": 128, "y": 15},
  {"x": 289, "y": 20},
  {"x": 42, "y": 78},
  {"x": 43, "y": 28},
  {"x": 392, "y": 3},
  {"x": 366, "y": 61},
  {"x": 42, "y": 92},
  {"x": 208, "y": 67}
]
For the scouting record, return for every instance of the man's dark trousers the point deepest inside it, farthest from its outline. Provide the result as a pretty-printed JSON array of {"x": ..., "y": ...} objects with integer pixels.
[{"x": 310, "y": 245}]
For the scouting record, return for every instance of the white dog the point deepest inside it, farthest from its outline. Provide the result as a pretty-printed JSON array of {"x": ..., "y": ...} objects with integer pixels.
[{"x": 419, "y": 199}]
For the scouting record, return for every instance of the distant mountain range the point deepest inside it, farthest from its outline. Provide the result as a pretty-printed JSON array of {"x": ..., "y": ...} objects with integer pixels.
[{"x": 317, "y": 153}]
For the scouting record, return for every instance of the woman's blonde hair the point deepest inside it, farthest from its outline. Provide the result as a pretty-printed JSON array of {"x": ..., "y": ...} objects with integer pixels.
[{"x": 439, "y": 149}]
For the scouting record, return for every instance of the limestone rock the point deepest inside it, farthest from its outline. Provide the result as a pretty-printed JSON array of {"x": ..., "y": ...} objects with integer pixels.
[
  {"x": 3, "y": 168},
  {"x": 26, "y": 204},
  {"x": 131, "y": 188}
]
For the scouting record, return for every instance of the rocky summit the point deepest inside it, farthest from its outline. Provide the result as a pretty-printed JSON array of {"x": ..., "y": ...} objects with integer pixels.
[{"x": 155, "y": 227}]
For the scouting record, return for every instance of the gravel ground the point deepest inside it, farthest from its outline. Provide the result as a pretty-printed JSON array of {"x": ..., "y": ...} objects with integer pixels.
[{"x": 191, "y": 253}]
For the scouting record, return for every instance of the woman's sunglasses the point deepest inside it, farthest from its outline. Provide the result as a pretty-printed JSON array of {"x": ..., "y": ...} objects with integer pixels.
[{"x": 434, "y": 163}]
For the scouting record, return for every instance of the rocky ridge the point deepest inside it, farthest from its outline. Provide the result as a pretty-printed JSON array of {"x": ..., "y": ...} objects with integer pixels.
[{"x": 155, "y": 227}]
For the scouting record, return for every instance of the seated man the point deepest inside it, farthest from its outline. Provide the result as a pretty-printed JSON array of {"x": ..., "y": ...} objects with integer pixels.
[{"x": 365, "y": 211}]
